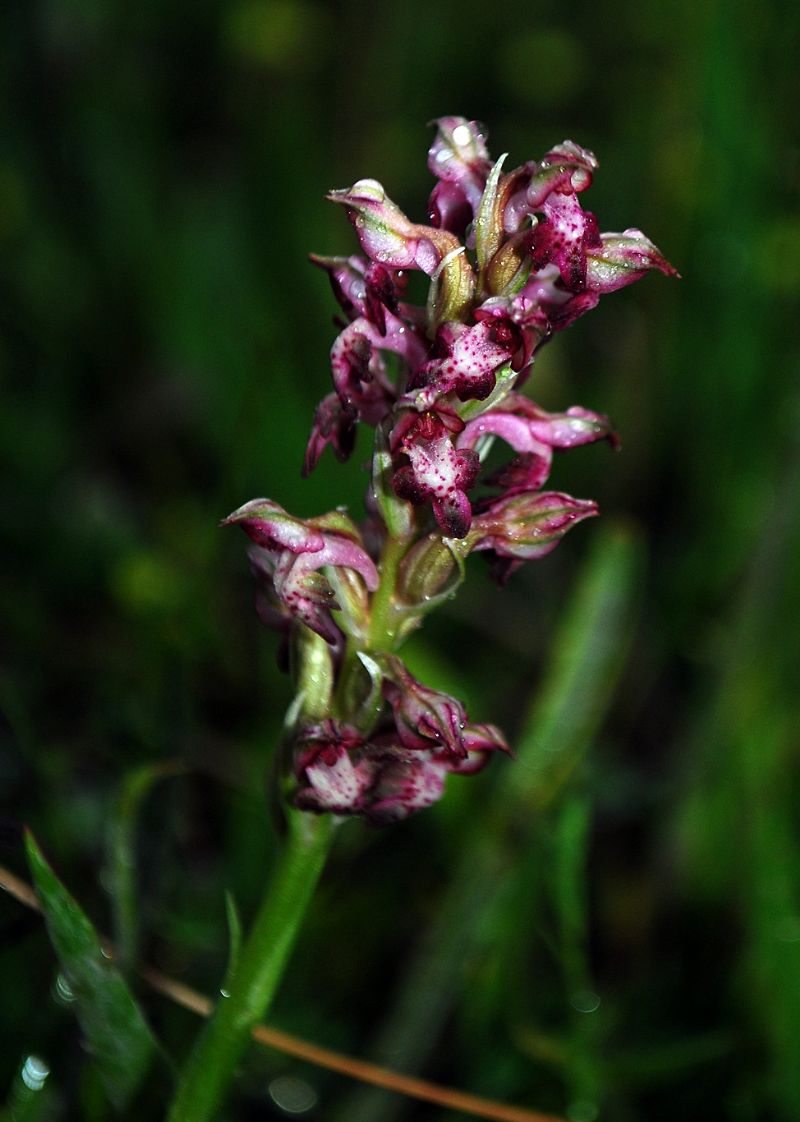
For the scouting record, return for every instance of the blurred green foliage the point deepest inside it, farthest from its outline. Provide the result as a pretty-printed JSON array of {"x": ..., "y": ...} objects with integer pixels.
[{"x": 164, "y": 342}]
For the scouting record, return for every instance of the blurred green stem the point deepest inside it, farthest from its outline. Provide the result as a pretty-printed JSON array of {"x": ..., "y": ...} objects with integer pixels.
[
  {"x": 212, "y": 1063},
  {"x": 257, "y": 974},
  {"x": 121, "y": 860}
]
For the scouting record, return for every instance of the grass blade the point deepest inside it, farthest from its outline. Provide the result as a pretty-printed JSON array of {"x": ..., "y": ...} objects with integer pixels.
[{"x": 117, "y": 1034}]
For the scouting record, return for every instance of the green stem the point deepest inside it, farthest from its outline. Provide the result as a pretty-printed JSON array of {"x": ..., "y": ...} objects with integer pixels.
[
  {"x": 385, "y": 618},
  {"x": 221, "y": 1045},
  {"x": 263, "y": 958}
]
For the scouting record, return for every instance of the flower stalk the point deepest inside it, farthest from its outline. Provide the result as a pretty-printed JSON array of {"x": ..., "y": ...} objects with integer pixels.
[{"x": 513, "y": 258}]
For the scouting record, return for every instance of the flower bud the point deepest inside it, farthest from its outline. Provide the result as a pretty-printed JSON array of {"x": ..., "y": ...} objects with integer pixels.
[
  {"x": 425, "y": 718},
  {"x": 511, "y": 265},
  {"x": 267, "y": 524},
  {"x": 528, "y": 526},
  {"x": 427, "y": 571},
  {"x": 622, "y": 259}
]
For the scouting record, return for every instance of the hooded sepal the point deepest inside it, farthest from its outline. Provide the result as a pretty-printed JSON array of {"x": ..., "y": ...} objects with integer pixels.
[
  {"x": 292, "y": 552},
  {"x": 459, "y": 159},
  {"x": 387, "y": 236}
]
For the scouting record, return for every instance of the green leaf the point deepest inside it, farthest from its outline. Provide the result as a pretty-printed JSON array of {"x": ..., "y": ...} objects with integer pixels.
[
  {"x": 120, "y": 873},
  {"x": 118, "y": 1036},
  {"x": 234, "y": 937}
]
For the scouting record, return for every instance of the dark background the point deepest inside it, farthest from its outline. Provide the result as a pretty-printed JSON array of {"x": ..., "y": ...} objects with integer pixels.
[{"x": 164, "y": 342}]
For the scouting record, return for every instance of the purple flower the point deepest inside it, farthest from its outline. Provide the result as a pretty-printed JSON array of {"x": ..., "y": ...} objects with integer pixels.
[
  {"x": 362, "y": 288},
  {"x": 380, "y": 777},
  {"x": 334, "y": 425},
  {"x": 424, "y": 718},
  {"x": 290, "y": 552},
  {"x": 436, "y": 470},
  {"x": 404, "y": 782},
  {"x": 526, "y": 426},
  {"x": 459, "y": 160},
  {"x": 534, "y": 434},
  {"x": 467, "y": 368},
  {"x": 328, "y": 768},
  {"x": 407, "y": 780},
  {"x": 358, "y": 374}
]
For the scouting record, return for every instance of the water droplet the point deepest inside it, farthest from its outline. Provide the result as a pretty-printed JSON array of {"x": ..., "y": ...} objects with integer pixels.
[
  {"x": 585, "y": 1001},
  {"x": 292, "y": 1096},
  {"x": 370, "y": 188},
  {"x": 224, "y": 993},
  {"x": 461, "y": 135},
  {"x": 62, "y": 990},
  {"x": 34, "y": 1073}
]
